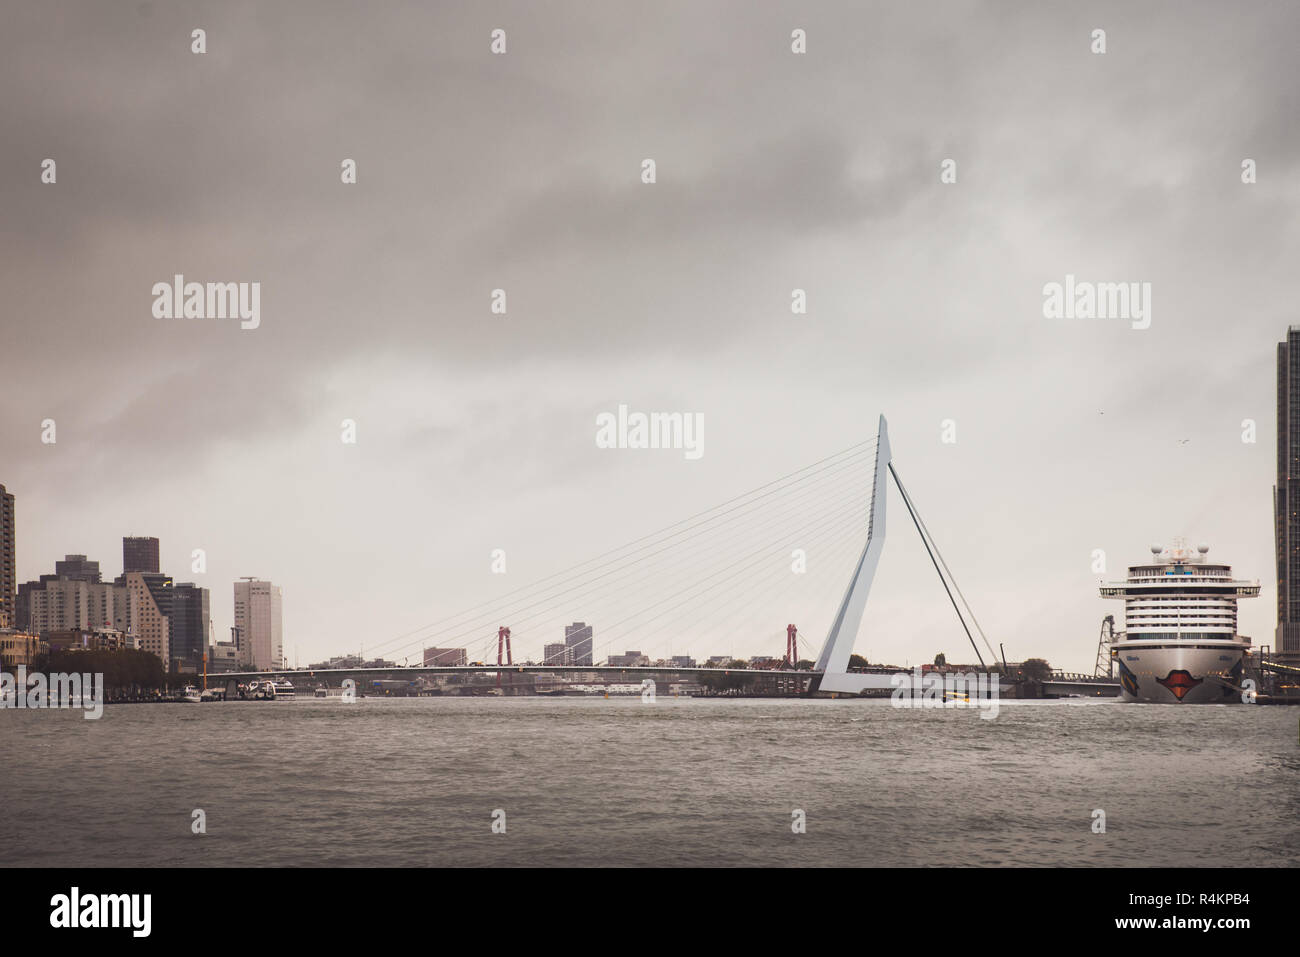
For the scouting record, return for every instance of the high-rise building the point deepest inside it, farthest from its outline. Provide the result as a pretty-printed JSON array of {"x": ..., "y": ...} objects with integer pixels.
[
  {"x": 77, "y": 569},
  {"x": 138, "y": 604},
  {"x": 190, "y": 614},
  {"x": 56, "y": 603},
  {"x": 149, "y": 619},
  {"x": 1286, "y": 498},
  {"x": 73, "y": 597},
  {"x": 257, "y": 616},
  {"x": 578, "y": 639},
  {"x": 140, "y": 555},
  {"x": 23, "y": 605},
  {"x": 556, "y": 654},
  {"x": 8, "y": 562},
  {"x": 161, "y": 590}
]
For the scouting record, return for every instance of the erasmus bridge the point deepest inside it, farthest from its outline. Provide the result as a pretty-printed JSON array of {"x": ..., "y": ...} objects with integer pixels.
[{"x": 725, "y": 573}]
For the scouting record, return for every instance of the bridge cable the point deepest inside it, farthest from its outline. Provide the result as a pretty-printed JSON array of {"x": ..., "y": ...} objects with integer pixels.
[
  {"x": 951, "y": 577},
  {"x": 648, "y": 551},
  {"x": 911, "y": 511},
  {"x": 736, "y": 499},
  {"x": 783, "y": 521}
]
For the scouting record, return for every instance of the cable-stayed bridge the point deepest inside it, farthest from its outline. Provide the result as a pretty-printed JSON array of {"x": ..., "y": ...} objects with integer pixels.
[{"x": 778, "y": 553}]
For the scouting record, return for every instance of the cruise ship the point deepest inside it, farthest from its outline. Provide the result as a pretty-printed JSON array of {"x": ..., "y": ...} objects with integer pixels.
[{"x": 1180, "y": 643}]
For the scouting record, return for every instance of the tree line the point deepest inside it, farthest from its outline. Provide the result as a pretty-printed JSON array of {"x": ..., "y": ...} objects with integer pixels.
[{"x": 125, "y": 671}]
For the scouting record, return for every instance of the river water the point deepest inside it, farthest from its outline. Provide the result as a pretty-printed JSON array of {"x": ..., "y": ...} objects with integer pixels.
[{"x": 595, "y": 781}]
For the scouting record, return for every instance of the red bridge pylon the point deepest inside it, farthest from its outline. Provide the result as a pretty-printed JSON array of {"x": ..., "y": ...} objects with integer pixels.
[
  {"x": 503, "y": 642},
  {"x": 791, "y": 646}
]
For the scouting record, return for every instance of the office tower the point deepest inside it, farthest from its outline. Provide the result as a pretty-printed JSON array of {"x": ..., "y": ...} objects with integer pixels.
[
  {"x": 23, "y": 605},
  {"x": 1286, "y": 498},
  {"x": 150, "y": 620},
  {"x": 257, "y": 616},
  {"x": 140, "y": 555},
  {"x": 556, "y": 654},
  {"x": 578, "y": 639},
  {"x": 190, "y": 614},
  {"x": 77, "y": 569},
  {"x": 8, "y": 562}
]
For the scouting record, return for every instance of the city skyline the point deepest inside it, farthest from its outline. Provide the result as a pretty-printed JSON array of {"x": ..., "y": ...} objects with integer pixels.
[{"x": 475, "y": 431}]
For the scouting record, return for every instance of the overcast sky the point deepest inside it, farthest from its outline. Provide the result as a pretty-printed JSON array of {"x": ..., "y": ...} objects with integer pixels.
[{"x": 521, "y": 171}]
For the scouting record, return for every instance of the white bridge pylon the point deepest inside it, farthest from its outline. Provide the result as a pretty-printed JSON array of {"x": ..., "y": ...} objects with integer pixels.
[{"x": 833, "y": 662}]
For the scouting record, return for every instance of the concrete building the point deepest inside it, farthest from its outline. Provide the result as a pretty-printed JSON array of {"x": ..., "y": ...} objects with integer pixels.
[
  {"x": 73, "y": 568},
  {"x": 60, "y": 604},
  {"x": 160, "y": 587},
  {"x": 8, "y": 562},
  {"x": 91, "y": 639},
  {"x": 445, "y": 657},
  {"x": 140, "y": 555},
  {"x": 338, "y": 661},
  {"x": 18, "y": 648},
  {"x": 633, "y": 659},
  {"x": 149, "y": 619},
  {"x": 258, "y": 618},
  {"x": 578, "y": 639},
  {"x": 77, "y": 568},
  {"x": 557, "y": 654},
  {"x": 223, "y": 657}
]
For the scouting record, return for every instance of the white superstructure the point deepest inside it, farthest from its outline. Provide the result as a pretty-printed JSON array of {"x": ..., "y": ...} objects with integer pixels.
[{"x": 1180, "y": 642}]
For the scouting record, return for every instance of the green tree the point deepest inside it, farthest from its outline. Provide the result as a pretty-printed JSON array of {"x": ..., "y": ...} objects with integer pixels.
[{"x": 1035, "y": 669}]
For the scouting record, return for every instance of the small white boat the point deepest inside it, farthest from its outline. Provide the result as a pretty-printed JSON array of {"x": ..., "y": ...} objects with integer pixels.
[
  {"x": 190, "y": 695},
  {"x": 322, "y": 693}
]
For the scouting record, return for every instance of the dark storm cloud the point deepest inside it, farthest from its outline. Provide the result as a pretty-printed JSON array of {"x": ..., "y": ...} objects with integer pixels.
[{"x": 522, "y": 172}]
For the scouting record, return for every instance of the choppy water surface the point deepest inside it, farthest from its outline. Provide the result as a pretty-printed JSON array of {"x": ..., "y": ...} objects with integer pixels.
[{"x": 677, "y": 782}]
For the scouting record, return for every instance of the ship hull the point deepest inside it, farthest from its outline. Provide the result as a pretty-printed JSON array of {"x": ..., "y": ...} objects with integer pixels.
[{"x": 1191, "y": 674}]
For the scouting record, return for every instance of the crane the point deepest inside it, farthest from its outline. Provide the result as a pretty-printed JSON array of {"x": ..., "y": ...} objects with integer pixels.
[{"x": 1105, "y": 666}]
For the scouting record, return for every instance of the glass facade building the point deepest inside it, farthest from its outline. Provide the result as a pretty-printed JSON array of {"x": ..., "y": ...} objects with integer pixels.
[{"x": 1286, "y": 498}]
